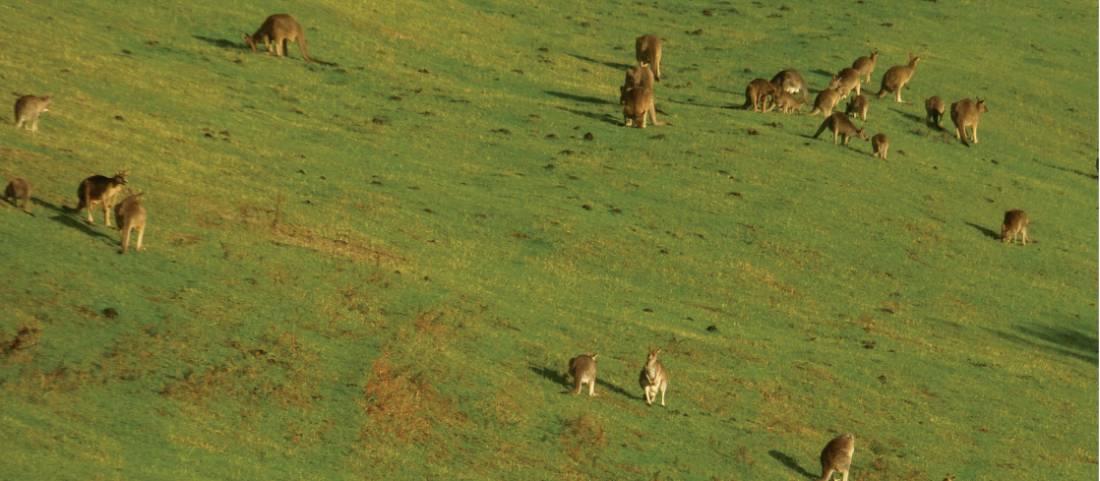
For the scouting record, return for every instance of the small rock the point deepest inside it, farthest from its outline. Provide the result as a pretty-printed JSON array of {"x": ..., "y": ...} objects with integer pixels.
[
  {"x": 589, "y": 136},
  {"x": 712, "y": 328},
  {"x": 120, "y": 118},
  {"x": 647, "y": 309},
  {"x": 110, "y": 313},
  {"x": 753, "y": 131},
  {"x": 708, "y": 13},
  {"x": 586, "y": 207}
]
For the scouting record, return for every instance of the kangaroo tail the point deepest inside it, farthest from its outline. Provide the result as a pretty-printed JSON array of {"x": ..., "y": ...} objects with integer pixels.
[
  {"x": 822, "y": 128},
  {"x": 302, "y": 47},
  {"x": 748, "y": 100},
  {"x": 882, "y": 91}
]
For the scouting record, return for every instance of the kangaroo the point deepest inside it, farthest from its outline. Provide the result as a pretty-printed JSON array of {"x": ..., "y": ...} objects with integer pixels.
[
  {"x": 786, "y": 102},
  {"x": 934, "y": 109},
  {"x": 757, "y": 95},
  {"x": 647, "y": 49},
  {"x": 639, "y": 76},
  {"x": 18, "y": 192},
  {"x": 790, "y": 81},
  {"x": 849, "y": 80},
  {"x": 837, "y": 457},
  {"x": 866, "y": 65},
  {"x": 896, "y": 78},
  {"x": 827, "y": 99},
  {"x": 99, "y": 189},
  {"x": 130, "y": 215},
  {"x": 858, "y": 105},
  {"x": 880, "y": 145},
  {"x": 583, "y": 370},
  {"x": 28, "y": 108},
  {"x": 638, "y": 104},
  {"x": 841, "y": 127},
  {"x": 967, "y": 113},
  {"x": 275, "y": 32},
  {"x": 1015, "y": 224},
  {"x": 654, "y": 378}
]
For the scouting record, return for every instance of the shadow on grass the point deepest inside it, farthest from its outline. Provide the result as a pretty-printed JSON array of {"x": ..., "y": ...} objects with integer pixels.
[
  {"x": 911, "y": 116},
  {"x": 63, "y": 217},
  {"x": 578, "y": 98},
  {"x": 990, "y": 233},
  {"x": 616, "y": 389},
  {"x": 551, "y": 374},
  {"x": 222, "y": 43},
  {"x": 1066, "y": 169},
  {"x": 1055, "y": 340},
  {"x": 789, "y": 462},
  {"x": 614, "y": 65},
  {"x": 592, "y": 115}
]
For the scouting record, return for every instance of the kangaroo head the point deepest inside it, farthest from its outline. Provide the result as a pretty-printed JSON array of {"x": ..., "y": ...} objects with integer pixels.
[
  {"x": 913, "y": 59},
  {"x": 861, "y": 134},
  {"x": 834, "y": 83},
  {"x": 874, "y": 55},
  {"x": 120, "y": 178},
  {"x": 593, "y": 356},
  {"x": 251, "y": 43},
  {"x": 981, "y": 106},
  {"x": 652, "y": 355}
]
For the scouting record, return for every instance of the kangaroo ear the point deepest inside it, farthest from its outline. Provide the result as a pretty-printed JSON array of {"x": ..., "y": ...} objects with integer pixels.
[{"x": 594, "y": 356}]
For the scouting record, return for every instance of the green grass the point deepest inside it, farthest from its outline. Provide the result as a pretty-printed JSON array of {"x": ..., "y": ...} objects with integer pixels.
[{"x": 378, "y": 269}]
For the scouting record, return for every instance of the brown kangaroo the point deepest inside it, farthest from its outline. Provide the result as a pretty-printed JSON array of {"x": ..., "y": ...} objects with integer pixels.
[
  {"x": 583, "y": 370},
  {"x": 275, "y": 32},
  {"x": 858, "y": 105},
  {"x": 1015, "y": 224},
  {"x": 638, "y": 76},
  {"x": 28, "y": 108},
  {"x": 99, "y": 189},
  {"x": 130, "y": 215},
  {"x": 827, "y": 99},
  {"x": 654, "y": 378},
  {"x": 786, "y": 102},
  {"x": 639, "y": 104},
  {"x": 967, "y": 113},
  {"x": 866, "y": 65},
  {"x": 647, "y": 50},
  {"x": 757, "y": 94},
  {"x": 849, "y": 80},
  {"x": 880, "y": 145},
  {"x": 896, "y": 78},
  {"x": 18, "y": 192},
  {"x": 841, "y": 127},
  {"x": 790, "y": 81},
  {"x": 934, "y": 109},
  {"x": 837, "y": 457}
]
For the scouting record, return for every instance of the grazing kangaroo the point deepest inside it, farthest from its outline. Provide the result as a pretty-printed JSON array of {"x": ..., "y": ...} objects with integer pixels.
[
  {"x": 639, "y": 76},
  {"x": 275, "y": 32},
  {"x": 896, "y": 78},
  {"x": 858, "y": 105},
  {"x": 18, "y": 192},
  {"x": 28, "y": 108},
  {"x": 827, "y": 99},
  {"x": 639, "y": 103},
  {"x": 841, "y": 127},
  {"x": 130, "y": 215},
  {"x": 967, "y": 113},
  {"x": 880, "y": 145},
  {"x": 790, "y": 81},
  {"x": 583, "y": 370},
  {"x": 647, "y": 50},
  {"x": 849, "y": 80},
  {"x": 757, "y": 95},
  {"x": 866, "y": 65},
  {"x": 99, "y": 189},
  {"x": 786, "y": 102},
  {"x": 934, "y": 109},
  {"x": 654, "y": 378},
  {"x": 1015, "y": 224},
  {"x": 837, "y": 457}
]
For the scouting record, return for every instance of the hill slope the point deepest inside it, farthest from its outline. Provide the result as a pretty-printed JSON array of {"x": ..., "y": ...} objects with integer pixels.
[{"x": 378, "y": 266}]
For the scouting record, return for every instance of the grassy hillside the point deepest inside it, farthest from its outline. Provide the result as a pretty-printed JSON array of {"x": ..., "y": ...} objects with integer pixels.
[{"x": 377, "y": 267}]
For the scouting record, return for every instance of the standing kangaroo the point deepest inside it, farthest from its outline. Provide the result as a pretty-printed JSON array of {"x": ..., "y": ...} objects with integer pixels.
[
  {"x": 28, "y": 108},
  {"x": 18, "y": 192},
  {"x": 786, "y": 102},
  {"x": 130, "y": 215},
  {"x": 640, "y": 76},
  {"x": 933, "y": 108},
  {"x": 647, "y": 50},
  {"x": 967, "y": 113},
  {"x": 654, "y": 378},
  {"x": 866, "y": 65},
  {"x": 1015, "y": 224},
  {"x": 790, "y": 81},
  {"x": 583, "y": 370},
  {"x": 827, "y": 99},
  {"x": 99, "y": 189},
  {"x": 275, "y": 32},
  {"x": 837, "y": 457},
  {"x": 841, "y": 127},
  {"x": 858, "y": 105},
  {"x": 880, "y": 145},
  {"x": 757, "y": 94},
  {"x": 849, "y": 80},
  {"x": 896, "y": 78}
]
